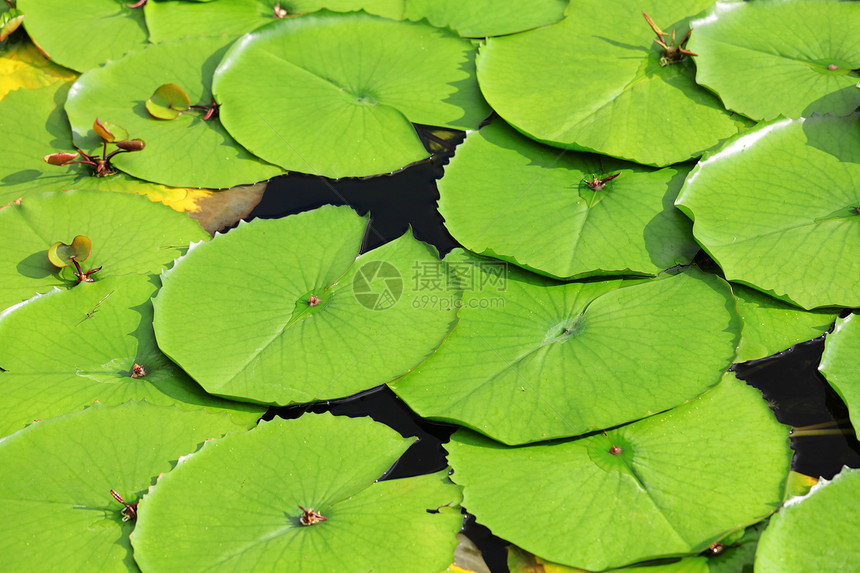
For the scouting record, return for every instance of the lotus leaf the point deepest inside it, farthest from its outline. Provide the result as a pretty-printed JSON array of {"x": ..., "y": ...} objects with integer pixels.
[
  {"x": 815, "y": 533},
  {"x": 594, "y": 82},
  {"x": 478, "y": 19},
  {"x": 240, "y": 500},
  {"x": 304, "y": 318},
  {"x": 559, "y": 360},
  {"x": 129, "y": 234},
  {"x": 167, "y": 102},
  {"x": 172, "y": 19},
  {"x": 650, "y": 489},
  {"x": 22, "y": 65},
  {"x": 187, "y": 152},
  {"x": 56, "y": 509},
  {"x": 506, "y": 196},
  {"x": 85, "y": 33},
  {"x": 61, "y": 254},
  {"x": 63, "y": 350},
  {"x": 771, "y": 325},
  {"x": 790, "y": 58},
  {"x": 839, "y": 364},
  {"x": 334, "y": 95},
  {"x": 778, "y": 209}
]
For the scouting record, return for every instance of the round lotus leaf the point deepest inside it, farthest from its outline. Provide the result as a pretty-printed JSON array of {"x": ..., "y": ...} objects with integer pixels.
[
  {"x": 129, "y": 235},
  {"x": 506, "y": 196},
  {"x": 305, "y": 318},
  {"x": 479, "y": 19},
  {"x": 543, "y": 360},
  {"x": 240, "y": 500},
  {"x": 772, "y": 325},
  {"x": 187, "y": 152},
  {"x": 839, "y": 364},
  {"x": 779, "y": 209},
  {"x": 650, "y": 489},
  {"x": 56, "y": 509},
  {"x": 64, "y": 350},
  {"x": 173, "y": 19},
  {"x": 817, "y": 532},
  {"x": 334, "y": 94},
  {"x": 594, "y": 82},
  {"x": 791, "y": 58},
  {"x": 85, "y": 33}
]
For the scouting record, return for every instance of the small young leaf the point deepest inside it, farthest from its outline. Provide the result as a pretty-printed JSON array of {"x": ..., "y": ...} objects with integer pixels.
[
  {"x": 9, "y": 22},
  {"x": 60, "y": 254},
  {"x": 108, "y": 131},
  {"x": 131, "y": 144},
  {"x": 59, "y": 158},
  {"x": 168, "y": 101}
]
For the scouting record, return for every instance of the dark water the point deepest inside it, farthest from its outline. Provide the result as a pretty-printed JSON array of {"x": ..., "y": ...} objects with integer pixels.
[{"x": 798, "y": 394}]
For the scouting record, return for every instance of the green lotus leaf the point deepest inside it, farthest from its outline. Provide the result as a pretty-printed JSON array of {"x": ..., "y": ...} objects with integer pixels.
[
  {"x": 594, "y": 82},
  {"x": 172, "y": 19},
  {"x": 321, "y": 94},
  {"x": 187, "y": 152},
  {"x": 237, "y": 501},
  {"x": 733, "y": 554},
  {"x": 487, "y": 18},
  {"x": 771, "y": 325},
  {"x": 63, "y": 350},
  {"x": 788, "y": 58},
  {"x": 306, "y": 320},
  {"x": 506, "y": 196},
  {"x": 778, "y": 209},
  {"x": 646, "y": 490},
  {"x": 839, "y": 364},
  {"x": 129, "y": 234},
  {"x": 542, "y": 360},
  {"x": 60, "y": 254},
  {"x": 24, "y": 66},
  {"x": 168, "y": 101},
  {"x": 56, "y": 509},
  {"x": 85, "y": 33},
  {"x": 817, "y": 532}
]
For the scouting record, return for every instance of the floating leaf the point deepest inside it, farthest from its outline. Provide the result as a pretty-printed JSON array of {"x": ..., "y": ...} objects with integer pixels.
[
  {"x": 85, "y": 33},
  {"x": 771, "y": 325},
  {"x": 778, "y": 209},
  {"x": 543, "y": 360},
  {"x": 56, "y": 509},
  {"x": 130, "y": 234},
  {"x": 306, "y": 319},
  {"x": 238, "y": 501},
  {"x": 661, "y": 492},
  {"x": 839, "y": 364},
  {"x": 94, "y": 342},
  {"x": 187, "y": 152},
  {"x": 594, "y": 82},
  {"x": 337, "y": 114},
  {"x": 788, "y": 58},
  {"x": 168, "y": 101},
  {"x": 60, "y": 254},
  {"x": 817, "y": 532},
  {"x": 506, "y": 196},
  {"x": 479, "y": 19}
]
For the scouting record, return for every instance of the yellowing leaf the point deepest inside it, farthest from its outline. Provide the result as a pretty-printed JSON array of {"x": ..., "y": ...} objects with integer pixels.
[{"x": 24, "y": 66}]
